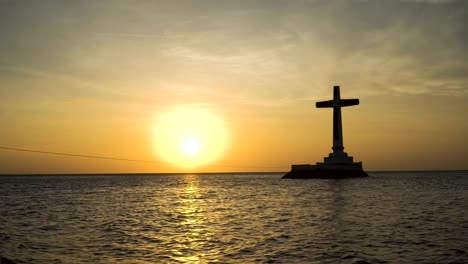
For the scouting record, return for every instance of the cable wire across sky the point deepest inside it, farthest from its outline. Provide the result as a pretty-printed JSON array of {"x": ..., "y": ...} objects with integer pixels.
[{"x": 124, "y": 159}]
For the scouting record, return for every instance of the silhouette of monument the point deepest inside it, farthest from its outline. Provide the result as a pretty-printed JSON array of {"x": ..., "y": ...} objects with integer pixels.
[{"x": 338, "y": 164}]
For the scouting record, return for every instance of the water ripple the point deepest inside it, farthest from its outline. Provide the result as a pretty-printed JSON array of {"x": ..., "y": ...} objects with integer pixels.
[{"x": 387, "y": 218}]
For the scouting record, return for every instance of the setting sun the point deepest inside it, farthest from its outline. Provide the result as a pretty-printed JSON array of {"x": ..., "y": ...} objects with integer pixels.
[
  {"x": 191, "y": 146},
  {"x": 189, "y": 137}
]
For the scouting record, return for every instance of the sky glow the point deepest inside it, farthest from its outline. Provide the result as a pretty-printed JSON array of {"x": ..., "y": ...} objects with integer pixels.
[{"x": 90, "y": 77}]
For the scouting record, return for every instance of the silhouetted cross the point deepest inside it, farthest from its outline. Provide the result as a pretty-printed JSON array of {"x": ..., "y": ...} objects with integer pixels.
[{"x": 337, "y": 103}]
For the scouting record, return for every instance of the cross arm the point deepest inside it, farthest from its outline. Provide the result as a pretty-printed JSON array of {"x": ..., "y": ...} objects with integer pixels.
[
  {"x": 324, "y": 104},
  {"x": 348, "y": 102}
]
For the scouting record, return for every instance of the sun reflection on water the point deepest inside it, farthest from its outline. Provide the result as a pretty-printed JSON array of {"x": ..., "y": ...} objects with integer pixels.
[{"x": 192, "y": 243}]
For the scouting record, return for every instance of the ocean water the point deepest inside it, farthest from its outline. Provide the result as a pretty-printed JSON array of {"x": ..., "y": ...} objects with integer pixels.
[{"x": 389, "y": 217}]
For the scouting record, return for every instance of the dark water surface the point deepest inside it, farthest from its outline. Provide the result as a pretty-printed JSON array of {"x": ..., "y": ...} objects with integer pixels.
[{"x": 416, "y": 217}]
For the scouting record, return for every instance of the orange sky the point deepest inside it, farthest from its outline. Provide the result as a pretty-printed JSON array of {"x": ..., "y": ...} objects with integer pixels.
[{"x": 94, "y": 78}]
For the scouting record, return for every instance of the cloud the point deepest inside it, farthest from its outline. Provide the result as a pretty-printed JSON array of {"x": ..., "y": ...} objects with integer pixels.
[
  {"x": 431, "y": 1},
  {"x": 273, "y": 52}
]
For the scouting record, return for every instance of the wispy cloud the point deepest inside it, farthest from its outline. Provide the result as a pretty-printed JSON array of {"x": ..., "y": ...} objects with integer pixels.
[
  {"x": 267, "y": 50},
  {"x": 430, "y": 1}
]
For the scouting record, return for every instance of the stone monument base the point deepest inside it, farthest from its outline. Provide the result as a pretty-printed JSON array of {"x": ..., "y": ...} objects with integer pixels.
[{"x": 326, "y": 171}]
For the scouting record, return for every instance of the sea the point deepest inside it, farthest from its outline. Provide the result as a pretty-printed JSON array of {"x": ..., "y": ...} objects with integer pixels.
[{"x": 389, "y": 217}]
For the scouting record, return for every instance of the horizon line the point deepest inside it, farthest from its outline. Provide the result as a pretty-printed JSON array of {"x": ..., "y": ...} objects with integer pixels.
[{"x": 201, "y": 173}]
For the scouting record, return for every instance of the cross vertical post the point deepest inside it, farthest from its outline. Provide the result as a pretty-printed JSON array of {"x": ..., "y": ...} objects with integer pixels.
[
  {"x": 337, "y": 124},
  {"x": 338, "y": 156}
]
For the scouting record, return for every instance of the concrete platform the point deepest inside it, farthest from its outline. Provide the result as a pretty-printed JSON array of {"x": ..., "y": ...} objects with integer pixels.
[{"x": 322, "y": 173}]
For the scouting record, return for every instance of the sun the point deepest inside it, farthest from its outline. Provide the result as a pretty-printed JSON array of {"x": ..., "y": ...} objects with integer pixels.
[
  {"x": 190, "y": 146},
  {"x": 189, "y": 137}
]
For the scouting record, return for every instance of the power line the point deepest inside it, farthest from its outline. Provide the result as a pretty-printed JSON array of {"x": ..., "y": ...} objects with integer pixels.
[
  {"x": 78, "y": 155},
  {"x": 122, "y": 159}
]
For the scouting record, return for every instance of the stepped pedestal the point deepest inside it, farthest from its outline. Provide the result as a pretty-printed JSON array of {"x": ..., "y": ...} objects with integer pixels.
[{"x": 331, "y": 168}]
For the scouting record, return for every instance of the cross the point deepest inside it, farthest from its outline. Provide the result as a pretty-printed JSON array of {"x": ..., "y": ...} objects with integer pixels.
[{"x": 337, "y": 103}]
